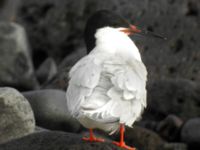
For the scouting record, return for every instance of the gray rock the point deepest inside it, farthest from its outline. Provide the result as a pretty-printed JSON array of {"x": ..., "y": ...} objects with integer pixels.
[
  {"x": 16, "y": 116},
  {"x": 55, "y": 141},
  {"x": 190, "y": 132},
  {"x": 173, "y": 96},
  {"x": 46, "y": 71},
  {"x": 15, "y": 61},
  {"x": 50, "y": 110},
  {"x": 170, "y": 128}
]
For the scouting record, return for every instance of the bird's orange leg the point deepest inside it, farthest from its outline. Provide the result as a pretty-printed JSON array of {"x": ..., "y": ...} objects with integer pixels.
[
  {"x": 92, "y": 138},
  {"x": 121, "y": 143}
]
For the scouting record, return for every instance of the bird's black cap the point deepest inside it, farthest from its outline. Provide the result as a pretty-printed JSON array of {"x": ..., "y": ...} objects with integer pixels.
[
  {"x": 98, "y": 20},
  {"x": 104, "y": 18}
]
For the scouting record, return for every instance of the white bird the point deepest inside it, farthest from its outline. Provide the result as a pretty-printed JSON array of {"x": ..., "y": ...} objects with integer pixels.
[{"x": 107, "y": 87}]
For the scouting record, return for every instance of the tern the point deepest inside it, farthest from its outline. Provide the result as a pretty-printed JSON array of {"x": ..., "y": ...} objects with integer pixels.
[{"x": 107, "y": 87}]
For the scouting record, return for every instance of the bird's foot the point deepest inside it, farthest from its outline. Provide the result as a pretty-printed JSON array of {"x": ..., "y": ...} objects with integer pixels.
[
  {"x": 93, "y": 139},
  {"x": 123, "y": 145}
]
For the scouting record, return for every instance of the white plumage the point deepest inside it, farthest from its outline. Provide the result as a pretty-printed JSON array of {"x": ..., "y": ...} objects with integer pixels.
[{"x": 108, "y": 86}]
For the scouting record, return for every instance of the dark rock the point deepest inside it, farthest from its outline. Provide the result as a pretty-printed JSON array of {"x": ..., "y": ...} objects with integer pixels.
[
  {"x": 55, "y": 141},
  {"x": 191, "y": 133},
  {"x": 170, "y": 128},
  {"x": 178, "y": 20},
  {"x": 142, "y": 138},
  {"x": 16, "y": 116},
  {"x": 60, "y": 81},
  {"x": 46, "y": 71},
  {"x": 16, "y": 66},
  {"x": 172, "y": 96},
  {"x": 72, "y": 58},
  {"x": 50, "y": 110}
]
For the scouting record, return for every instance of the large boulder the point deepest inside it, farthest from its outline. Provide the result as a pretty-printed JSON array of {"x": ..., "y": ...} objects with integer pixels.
[
  {"x": 50, "y": 110},
  {"x": 15, "y": 61},
  {"x": 16, "y": 115}
]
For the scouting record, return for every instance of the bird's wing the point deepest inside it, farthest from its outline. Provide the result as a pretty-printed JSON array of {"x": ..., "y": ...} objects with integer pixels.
[
  {"x": 128, "y": 93},
  {"x": 84, "y": 76},
  {"x": 130, "y": 78}
]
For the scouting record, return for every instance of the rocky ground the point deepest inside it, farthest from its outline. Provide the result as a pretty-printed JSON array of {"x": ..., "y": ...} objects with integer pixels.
[{"x": 41, "y": 40}]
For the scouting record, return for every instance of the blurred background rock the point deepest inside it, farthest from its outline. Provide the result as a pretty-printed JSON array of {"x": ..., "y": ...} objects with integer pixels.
[{"x": 41, "y": 39}]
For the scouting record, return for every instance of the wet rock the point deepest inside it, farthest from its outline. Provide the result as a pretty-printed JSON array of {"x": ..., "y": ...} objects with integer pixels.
[
  {"x": 15, "y": 61},
  {"x": 170, "y": 128},
  {"x": 16, "y": 116},
  {"x": 55, "y": 141},
  {"x": 190, "y": 133},
  {"x": 172, "y": 96},
  {"x": 50, "y": 110},
  {"x": 46, "y": 71}
]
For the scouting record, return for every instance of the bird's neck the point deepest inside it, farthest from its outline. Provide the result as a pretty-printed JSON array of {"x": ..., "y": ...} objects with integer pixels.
[{"x": 116, "y": 43}]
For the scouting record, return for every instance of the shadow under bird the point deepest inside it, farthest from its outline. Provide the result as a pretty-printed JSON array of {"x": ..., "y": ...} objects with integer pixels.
[{"x": 107, "y": 87}]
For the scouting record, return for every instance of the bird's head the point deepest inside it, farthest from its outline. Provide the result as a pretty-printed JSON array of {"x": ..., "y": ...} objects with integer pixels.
[{"x": 106, "y": 18}]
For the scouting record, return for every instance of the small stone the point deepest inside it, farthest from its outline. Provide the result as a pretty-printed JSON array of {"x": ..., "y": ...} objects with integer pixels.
[
  {"x": 170, "y": 128},
  {"x": 190, "y": 132},
  {"x": 16, "y": 115},
  {"x": 46, "y": 71}
]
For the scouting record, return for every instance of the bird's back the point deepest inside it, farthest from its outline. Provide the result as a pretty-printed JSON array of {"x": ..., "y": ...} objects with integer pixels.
[{"x": 107, "y": 88}]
